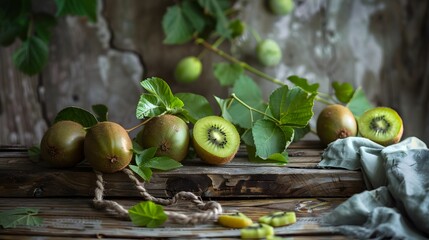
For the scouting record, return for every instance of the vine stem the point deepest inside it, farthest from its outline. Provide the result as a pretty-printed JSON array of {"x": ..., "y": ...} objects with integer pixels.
[
  {"x": 251, "y": 108},
  {"x": 232, "y": 59},
  {"x": 139, "y": 125}
]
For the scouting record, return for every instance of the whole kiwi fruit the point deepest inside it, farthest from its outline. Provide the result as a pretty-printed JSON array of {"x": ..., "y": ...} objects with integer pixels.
[
  {"x": 108, "y": 147},
  {"x": 215, "y": 139},
  {"x": 335, "y": 121},
  {"x": 169, "y": 134},
  {"x": 382, "y": 125},
  {"x": 62, "y": 144}
]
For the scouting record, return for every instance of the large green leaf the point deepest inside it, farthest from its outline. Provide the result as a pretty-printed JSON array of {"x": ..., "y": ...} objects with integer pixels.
[
  {"x": 227, "y": 73},
  {"x": 20, "y": 217},
  {"x": 292, "y": 107},
  {"x": 31, "y": 56},
  {"x": 162, "y": 163},
  {"x": 147, "y": 214},
  {"x": 224, "y": 105},
  {"x": 148, "y": 106},
  {"x": 43, "y": 24},
  {"x": 86, "y": 8},
  {"x": 359, "y": 103},
  {"x": 176, "y": 26},
  {"x": 197, "y": 106},
  {"x": 79, "y": 115},
  {"x": 101, "y": 111},
  {"x": 162, "y": 91},
  {"x": 270, "y": 138},
  {"x": 250, "y": 93},
  {"x": 194, "y": 14}
]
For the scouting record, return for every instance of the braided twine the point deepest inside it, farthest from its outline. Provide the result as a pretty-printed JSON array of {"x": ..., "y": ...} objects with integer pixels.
[{"x": 210, "y": 210}]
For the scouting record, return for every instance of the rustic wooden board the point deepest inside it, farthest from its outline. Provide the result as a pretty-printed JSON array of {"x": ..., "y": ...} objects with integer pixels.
[
  {"x": 76, "y": 217},
  {"x": 239, "y": 178}
]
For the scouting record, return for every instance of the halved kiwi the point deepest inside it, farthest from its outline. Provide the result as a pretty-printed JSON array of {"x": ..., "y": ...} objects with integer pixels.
[
  {"x": 382, "y": 125},
  {"x": 215, "y": 140}
]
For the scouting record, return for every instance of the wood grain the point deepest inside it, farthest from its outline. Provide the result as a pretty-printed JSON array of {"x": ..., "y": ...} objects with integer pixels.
[{"x": 76, "y": 217}]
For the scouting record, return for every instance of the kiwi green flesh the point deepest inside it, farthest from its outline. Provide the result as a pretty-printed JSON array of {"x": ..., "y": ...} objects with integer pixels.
[
  {"x": 215, "y": 139},
  {"x": 382, "y": 125}
]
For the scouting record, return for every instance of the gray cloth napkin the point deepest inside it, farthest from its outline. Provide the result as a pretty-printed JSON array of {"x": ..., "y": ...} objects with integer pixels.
[{"x": 396, "y": 204}]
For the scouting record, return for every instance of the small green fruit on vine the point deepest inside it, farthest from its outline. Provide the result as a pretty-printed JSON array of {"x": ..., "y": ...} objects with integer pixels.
[
  {"x": 188, "y": 69},
  {"x": 281, "y": 7},
  {"x": 169, "y": 134},
  {"x": 268, "y": 53},
  {"x": 334, "y": 122},
  {"x": 62, "y": 144},
  {"x": 108, "y": 147}
]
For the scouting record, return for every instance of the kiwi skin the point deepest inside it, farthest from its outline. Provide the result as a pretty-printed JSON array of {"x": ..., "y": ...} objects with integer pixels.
[
  {"x": 385, "y": 112},
  {"x": 212, "y": 158},
  {"x": 62, "y": 144},
  {"x": 168, "y": 133},
  {"x": 334, "y": 122},
  {"x": 108, "y": 147}
]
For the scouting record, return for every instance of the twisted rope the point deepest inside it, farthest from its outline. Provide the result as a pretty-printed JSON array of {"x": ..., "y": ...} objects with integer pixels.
[{"x": 211, "y": 209}]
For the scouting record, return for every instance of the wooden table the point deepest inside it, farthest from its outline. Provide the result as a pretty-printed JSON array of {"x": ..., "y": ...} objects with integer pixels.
[{"x": 64, "y": 196}]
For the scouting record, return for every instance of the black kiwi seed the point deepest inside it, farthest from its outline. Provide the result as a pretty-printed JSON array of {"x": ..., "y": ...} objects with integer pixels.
[
  {"x": 215, "y": 140},
  {"x": 380, "y": 124}
]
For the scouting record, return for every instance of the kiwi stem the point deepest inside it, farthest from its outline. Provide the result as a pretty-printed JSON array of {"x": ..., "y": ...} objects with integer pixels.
[
  {"x": 322, "y": 100},
  {"x": 252, "y": 109},
  {"x": 255, "y": 35},
  {"x": 235, "y": 60},
  {"x": 138, "y": 125}
]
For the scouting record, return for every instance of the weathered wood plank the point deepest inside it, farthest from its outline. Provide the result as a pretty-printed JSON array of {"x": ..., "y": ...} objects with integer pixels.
[
  {"x": 76, "y": 217},
  {"x": 27, "y": 179}
]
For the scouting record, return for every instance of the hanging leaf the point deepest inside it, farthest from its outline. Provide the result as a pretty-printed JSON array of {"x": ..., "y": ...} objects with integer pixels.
[
  {"x": 79, "y": 115},
  {"x": 343, "y": 91},
  {"x": 359, "y": 103},
  {"x": 217, "y": 9},
  {"x": 86, "y": 8},
  {"x": 303, "y": 83},
  {"x": 177, "y": 28},
  {"x": 31, "y": 56},
  {"x": 147, "y": 214},
  {"x": 197, "y": 106},
  {"x": 43, "y": 24},
  {"x": 227, "y": 73}
]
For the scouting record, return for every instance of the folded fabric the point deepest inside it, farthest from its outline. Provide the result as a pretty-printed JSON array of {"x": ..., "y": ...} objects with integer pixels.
[{"x": 398, "y": 175}]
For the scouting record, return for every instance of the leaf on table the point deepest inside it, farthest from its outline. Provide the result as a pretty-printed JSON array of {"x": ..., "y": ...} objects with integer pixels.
[
  {"x": 20, "y": 217},
  {"x": 79, "y": 115},
  {"x": 147, "y": 214},
  {"x": 31, "y": 56},
  {"x": 162, "y": 163},
  {"x": 144, "y": 172},
  {"x": 34, "y": 153}
]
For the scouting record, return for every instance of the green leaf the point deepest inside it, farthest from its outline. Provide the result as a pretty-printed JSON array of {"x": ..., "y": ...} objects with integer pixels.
[
  {"x": 161, "y": 90},
  {"x": 79, "y": 115},
  {"x": 43, "y": 24},
  {"x": 149, "y": 106},
  {"x": 145, "y": 155},
  {"x": 299, "y": 133},
  {"x": 217, "y": 9},
  {"x": 162, "y": 163},
  {"x": 147, "y": 214},
  {"x": 9, "y": 30},
  {"x": 237, "y": 28},
  {"x": 31, "y": 56},
  {"x": 227, "y": 73},
  {"x": 224, "y": 105},
  {"x": 343, "y": 92},
  {"x": 194, "y": 15},
  {"x": 86, "y": 8},
  {"x": 292, "y": 107},
  {"x": 250, "y": 93},
  {"x": 276, "y": 159},
  {"x": 144, "y": 172},
  {"x": 34, "y": 153},
  {"x": 20, "y": 217},
  {"x": 197, "y": 106},
  {"x": 303, "y": 83},
  {"x": 247, "y": 137},
  {"x": 176, "y": 26},
  {"x": 101, "y": 112},
  {"x": 270, "y": 138},
  {"x": 359, "y": 103}
]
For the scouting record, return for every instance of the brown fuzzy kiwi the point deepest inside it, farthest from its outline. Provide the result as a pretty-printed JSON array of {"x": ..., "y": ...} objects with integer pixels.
[
  {"x": 382, "y": 125},
  {"x": 169, "y": 134},
  {"x": 62, "y": 144},
  {"x": 108, "y": 147},
  {"x": 215, "y": 139},
  {"x": 334, "y": 122}
]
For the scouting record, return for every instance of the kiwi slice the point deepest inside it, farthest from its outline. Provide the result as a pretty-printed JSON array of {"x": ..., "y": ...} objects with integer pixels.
[
  {"x": 278, "y": 219},
  {"x": 215, "y": 139},
  {"x": 257, "y": 231},
  {"x": 382, "y": 125},
  {"x": 236, "y": 220}
]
